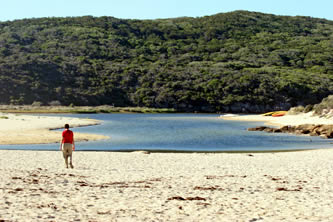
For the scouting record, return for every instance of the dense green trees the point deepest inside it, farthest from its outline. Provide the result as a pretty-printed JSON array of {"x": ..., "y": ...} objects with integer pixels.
[{"x": 239, "y": 61}]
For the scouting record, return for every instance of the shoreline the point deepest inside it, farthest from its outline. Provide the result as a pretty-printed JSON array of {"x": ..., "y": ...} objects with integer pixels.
[
  {"x": 173, "y": 151},
  {"x": 29, "y": 109},
  {"x": 34, "y": 129},
  {"x": 20, "y": 129}
]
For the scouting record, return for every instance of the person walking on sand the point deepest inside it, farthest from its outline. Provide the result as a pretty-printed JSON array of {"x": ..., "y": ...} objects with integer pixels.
[{"x": 67, "y": 145}]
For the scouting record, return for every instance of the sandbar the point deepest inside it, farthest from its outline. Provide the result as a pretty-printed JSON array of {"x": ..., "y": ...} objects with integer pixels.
[
  {"x": 37, "y": 129},
  {"x": 292, "y": 120}
]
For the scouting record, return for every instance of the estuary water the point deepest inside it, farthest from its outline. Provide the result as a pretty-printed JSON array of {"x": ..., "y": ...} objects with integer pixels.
[{"x": 180, "y": 132}]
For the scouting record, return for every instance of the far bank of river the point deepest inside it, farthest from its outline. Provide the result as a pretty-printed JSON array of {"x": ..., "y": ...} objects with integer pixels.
[{"x": 80, "y": 109}]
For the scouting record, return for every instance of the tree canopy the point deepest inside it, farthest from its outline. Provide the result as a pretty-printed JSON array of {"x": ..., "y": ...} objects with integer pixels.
[{"x": 240, "y": 61}]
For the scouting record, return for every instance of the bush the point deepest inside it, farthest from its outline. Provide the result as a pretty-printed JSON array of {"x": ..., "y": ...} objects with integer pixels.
[
  {"x": 36, "y": 103},
  {"x": 55, "y": 103},
  {"x": 325, "y": 105},
  {"x": 296, "y": 110},
  {"x": 308, "y": 108}
]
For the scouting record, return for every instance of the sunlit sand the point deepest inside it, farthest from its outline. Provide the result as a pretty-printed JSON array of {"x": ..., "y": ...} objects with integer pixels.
[{"x": 143, "y": 186}]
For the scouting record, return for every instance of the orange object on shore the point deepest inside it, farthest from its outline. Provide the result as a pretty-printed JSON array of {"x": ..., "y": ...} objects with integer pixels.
[{"x": 280, "y": 113}]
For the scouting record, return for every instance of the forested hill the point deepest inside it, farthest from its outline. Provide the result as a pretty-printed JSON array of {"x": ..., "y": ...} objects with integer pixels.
[{"x": 238, "y": 61}]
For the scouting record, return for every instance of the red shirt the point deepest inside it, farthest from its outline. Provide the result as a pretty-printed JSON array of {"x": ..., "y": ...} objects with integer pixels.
[{"x": 67, "y": 136}]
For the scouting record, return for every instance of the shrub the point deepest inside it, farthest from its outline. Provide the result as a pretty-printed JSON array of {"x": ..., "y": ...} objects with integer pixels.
[
  {"x": 296, "y": 110},
  {"x": 36, "y": 103},
  {"x": 308, "y": 108},
  {"x": 326, "y": 104},
  {"x": 55, "y": 103}
]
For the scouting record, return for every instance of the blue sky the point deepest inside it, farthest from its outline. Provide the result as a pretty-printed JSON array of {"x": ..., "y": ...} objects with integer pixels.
[{"x": 152, "y": 9}]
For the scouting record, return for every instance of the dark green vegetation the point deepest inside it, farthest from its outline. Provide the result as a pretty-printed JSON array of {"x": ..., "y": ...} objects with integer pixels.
[{"x": 239, "y": 61}]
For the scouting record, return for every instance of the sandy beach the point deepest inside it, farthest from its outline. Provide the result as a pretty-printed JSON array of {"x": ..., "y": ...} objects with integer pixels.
[
  {"x": 36, "y": 129},
  {"x": 136, "y": 186},
  {"x": 293, "y": 120},
  {"x": 111, "y": 186}
]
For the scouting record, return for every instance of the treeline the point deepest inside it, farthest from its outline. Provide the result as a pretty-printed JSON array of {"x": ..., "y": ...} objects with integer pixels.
[{"x": 239, "y": 61}]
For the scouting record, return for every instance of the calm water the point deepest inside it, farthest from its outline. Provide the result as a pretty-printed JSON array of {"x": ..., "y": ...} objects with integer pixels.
[{"x": 181, "y": 132}]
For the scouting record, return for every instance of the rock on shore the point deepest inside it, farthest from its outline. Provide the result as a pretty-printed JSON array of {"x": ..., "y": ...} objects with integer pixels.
[{"x": 325, "y": 131}]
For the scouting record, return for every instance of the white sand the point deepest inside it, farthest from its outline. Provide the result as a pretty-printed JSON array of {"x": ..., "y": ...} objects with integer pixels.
[
  {"x": 34, "y": 129},
  {"x": 106, "y": 186},
  {"x": 109, "y": 186},
  {"x": 293, "y": 120}
]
